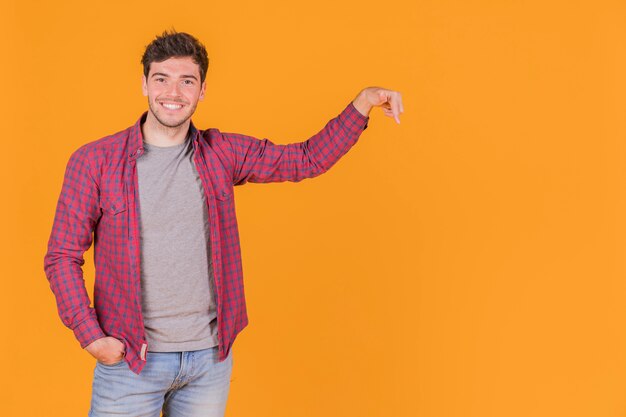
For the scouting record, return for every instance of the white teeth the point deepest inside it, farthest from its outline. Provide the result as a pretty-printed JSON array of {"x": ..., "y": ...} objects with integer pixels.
[{"x": 172, "y": 106}]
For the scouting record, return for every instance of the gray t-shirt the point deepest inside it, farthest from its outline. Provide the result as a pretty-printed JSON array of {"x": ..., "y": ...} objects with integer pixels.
[{"x": 177, "y": 285}]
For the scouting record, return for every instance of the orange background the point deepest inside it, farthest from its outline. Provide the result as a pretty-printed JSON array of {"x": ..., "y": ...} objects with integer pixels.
[{"x": 468, "y": 262}]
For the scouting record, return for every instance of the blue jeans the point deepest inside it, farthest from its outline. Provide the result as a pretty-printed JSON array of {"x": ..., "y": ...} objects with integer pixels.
[{"x": 181, "y": 384}]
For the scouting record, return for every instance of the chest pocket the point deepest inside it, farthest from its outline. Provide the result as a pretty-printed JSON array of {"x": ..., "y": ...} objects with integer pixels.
[
  {"x": 113, "y": 204},
  {"x": 223, "y": 194},
  {"x": 224, "y": 198}
]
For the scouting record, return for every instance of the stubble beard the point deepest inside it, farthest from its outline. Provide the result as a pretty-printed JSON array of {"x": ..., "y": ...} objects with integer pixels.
[{"x": 155, "y": 113}]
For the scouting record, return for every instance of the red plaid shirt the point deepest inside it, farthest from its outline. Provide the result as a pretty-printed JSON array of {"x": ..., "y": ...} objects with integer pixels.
[{"x": 100, "y": 197}]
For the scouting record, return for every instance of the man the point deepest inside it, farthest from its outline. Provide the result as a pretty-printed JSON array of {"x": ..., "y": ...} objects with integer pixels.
[{"x": 158, "y": 199}]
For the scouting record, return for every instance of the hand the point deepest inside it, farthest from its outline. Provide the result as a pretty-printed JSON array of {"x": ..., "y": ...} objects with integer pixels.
[
  {"x": 389, "y": 100},
  {"x": 108, "y": 350}
]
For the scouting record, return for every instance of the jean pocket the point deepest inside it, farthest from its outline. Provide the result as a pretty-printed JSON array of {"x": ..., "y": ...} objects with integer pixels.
[{"x": 118, "y": 363}]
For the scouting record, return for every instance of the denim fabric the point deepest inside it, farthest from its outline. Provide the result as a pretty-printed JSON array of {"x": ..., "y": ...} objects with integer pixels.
[{"x": 179, "y": 384}]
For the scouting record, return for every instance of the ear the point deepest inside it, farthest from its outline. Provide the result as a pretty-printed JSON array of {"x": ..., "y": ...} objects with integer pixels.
[
  {"x": 202, "y": 91},
  {"x": 144, "y": 85}
]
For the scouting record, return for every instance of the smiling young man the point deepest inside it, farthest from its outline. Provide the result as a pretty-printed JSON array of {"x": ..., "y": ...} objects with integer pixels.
[{"x": 156, "y": 199}]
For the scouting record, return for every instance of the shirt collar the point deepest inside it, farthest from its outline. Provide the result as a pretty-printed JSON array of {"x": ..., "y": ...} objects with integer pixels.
[{"x": 135, "y": 139}]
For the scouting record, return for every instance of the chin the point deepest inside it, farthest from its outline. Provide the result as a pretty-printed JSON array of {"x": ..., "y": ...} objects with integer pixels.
[
  {"x": 170, "y": 121},
  {"x": 173, "y": 123}
]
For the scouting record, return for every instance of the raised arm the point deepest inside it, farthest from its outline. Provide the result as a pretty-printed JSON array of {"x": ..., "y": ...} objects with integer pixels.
[{"x": 262, "y": 161}]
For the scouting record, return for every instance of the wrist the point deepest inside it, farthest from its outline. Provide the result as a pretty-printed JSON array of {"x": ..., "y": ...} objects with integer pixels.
[
  {"x": 362, "y": 104},
  {"x": 95, "y": 346}
]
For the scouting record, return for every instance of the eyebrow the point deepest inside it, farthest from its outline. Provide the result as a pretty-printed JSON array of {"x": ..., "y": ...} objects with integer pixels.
[{"x": 165, "y": 75}]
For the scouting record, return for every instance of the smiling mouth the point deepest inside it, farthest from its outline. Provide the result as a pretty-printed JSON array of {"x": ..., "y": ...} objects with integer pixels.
[{"x": 171, "y": 106}]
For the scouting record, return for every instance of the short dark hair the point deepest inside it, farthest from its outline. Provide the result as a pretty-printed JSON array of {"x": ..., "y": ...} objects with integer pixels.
[{"x": 174, "y": 44}]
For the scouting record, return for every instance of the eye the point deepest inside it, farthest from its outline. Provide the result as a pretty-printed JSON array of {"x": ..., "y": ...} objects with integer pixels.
[
  {"x": 159, "y": 79},
  {"x": 188, "y": 82}
]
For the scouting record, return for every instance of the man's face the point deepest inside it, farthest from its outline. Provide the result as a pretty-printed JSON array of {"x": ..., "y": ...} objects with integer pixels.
[{"x": 173, "y": 89}]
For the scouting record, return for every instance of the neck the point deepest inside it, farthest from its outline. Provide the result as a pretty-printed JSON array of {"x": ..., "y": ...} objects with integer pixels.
[{"x": 158, "y": 134}]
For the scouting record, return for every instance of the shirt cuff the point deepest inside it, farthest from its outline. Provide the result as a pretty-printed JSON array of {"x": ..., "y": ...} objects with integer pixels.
[
  {"x": 88, "y": 331},
  {"x": 353, "y": 120}
]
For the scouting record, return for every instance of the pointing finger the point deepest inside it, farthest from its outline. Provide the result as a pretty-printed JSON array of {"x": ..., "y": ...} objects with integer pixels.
[{"x": 395, "y": 105}]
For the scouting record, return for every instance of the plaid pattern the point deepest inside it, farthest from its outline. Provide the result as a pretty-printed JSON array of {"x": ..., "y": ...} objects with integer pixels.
[{"x": 99, "y": 204}]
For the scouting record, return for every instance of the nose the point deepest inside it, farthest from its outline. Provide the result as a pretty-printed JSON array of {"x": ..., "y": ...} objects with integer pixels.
[{"x": 173, "y": 90}]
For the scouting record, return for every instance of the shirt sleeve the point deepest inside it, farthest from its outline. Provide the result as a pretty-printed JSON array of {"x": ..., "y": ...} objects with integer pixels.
[
  {"x": 261, "y": 161},
  {"x": 77, "y": 212}
]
